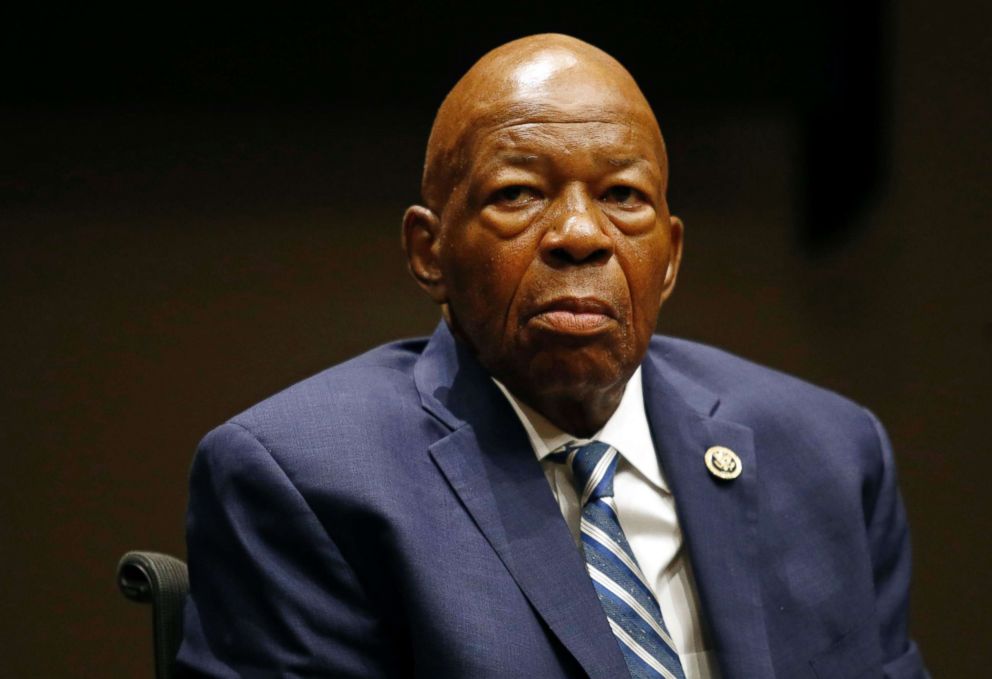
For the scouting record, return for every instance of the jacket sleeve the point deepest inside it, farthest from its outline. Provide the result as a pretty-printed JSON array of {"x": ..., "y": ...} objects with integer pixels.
[
  {"x": 270, "y": 592},
  {"x": 888, "y": 536}
]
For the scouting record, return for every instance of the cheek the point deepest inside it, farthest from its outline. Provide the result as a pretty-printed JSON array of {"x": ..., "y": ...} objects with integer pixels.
[
  {"x": 484, "y": 274},
  {"x": 645, "y": 266}
]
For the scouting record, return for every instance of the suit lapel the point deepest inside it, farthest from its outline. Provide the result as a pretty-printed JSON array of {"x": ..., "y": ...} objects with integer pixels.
[
  {"x": 491, "y": 467},
  {"x": 718, "y": 518}
]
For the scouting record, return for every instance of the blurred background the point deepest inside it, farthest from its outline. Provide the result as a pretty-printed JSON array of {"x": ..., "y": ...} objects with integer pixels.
[{"x": 199, "y": 210}]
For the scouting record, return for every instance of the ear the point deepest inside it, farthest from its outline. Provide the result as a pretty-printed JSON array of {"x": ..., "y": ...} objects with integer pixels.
[
  {"x": 421, "y": 242},
  {"x": 676, "y": 231}
]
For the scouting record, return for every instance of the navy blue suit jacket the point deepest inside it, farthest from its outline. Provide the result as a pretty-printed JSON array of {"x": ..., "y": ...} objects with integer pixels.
[{"x": 387, "y": 517}]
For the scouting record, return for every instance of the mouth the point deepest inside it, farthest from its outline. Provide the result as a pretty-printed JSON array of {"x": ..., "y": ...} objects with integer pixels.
[{"x": 574, "y": 316}]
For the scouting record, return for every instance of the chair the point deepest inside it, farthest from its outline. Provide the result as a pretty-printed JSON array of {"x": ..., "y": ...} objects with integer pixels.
[{"x": 162, "y": 580}]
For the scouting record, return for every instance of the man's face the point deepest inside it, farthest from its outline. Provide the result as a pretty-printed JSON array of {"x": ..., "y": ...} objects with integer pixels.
[{"x": 557, "y": 250}]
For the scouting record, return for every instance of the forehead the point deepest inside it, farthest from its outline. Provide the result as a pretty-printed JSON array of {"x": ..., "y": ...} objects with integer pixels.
[
  {"x": 602, "y": 140},
  {"x": 566, "y": 110}
]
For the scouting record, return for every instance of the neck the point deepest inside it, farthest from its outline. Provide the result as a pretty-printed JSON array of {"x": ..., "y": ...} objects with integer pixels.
[{"x": 581, "y": 415}]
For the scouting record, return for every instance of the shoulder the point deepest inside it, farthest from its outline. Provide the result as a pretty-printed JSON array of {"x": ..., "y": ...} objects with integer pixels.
[
  {"x": 379, "y": 379},
  {"x": 335, "y": 417},
  {"x": 733, "y": 378},
  {"x": 772, "y": 402},
  {"x": 722, "y": 370}
]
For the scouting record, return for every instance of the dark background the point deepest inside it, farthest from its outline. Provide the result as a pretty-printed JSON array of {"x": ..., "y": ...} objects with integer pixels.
[{"x": 199, "y": 210}]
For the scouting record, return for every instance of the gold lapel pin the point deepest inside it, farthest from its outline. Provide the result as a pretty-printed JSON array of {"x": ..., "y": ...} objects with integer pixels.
[{"x": 723, "y": 463}]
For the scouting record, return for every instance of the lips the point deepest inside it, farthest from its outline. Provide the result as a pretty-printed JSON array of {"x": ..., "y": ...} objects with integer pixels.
[{"x": 574, "y": 316}]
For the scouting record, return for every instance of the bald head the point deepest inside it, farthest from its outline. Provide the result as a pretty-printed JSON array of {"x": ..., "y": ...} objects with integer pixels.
[{"x": 541, "y": 76}]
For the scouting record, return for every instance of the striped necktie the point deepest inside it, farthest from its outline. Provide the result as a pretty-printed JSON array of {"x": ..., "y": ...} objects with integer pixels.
[{"x": 630, "y": 606}]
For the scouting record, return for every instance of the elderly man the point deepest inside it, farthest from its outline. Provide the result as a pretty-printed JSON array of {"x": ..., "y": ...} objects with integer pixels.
[{"x": 542, "y": 488}]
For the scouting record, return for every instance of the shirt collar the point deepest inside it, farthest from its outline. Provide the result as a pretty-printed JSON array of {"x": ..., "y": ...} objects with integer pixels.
[{"x": 627, "y": 430}]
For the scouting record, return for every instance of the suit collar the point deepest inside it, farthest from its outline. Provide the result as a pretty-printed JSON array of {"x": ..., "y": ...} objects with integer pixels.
[
  {"x": 627, "y": 430},
  {"x": 442, "y": 362},
  {"x": 445, "y": 360}
]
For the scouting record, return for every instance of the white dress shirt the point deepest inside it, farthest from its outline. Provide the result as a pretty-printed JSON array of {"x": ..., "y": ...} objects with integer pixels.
[{"x": 646, "y": 510}]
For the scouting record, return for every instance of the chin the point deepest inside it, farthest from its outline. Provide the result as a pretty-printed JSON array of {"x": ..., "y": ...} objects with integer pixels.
[{"x": 575, "y": 373}]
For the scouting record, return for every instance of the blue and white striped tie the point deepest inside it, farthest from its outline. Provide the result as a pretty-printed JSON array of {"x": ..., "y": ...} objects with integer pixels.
[{"x": 632, "y": 610}]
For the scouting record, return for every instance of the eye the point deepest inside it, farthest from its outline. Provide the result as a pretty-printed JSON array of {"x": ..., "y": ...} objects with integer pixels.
[
  {"x": 514, "y": 196},
  {"x": 624, "y": 196}
]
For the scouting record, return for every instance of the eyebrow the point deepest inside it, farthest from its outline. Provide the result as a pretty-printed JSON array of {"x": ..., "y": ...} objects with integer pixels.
[
  {"x": 518, "y": 158},
  {"x": 624, "y": 162}
]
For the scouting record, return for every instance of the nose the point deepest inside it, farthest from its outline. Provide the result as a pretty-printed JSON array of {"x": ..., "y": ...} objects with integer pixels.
[{"x": 576, "y": 234}]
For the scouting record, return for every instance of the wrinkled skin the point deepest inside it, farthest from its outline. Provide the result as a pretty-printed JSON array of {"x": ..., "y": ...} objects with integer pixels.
[{"x": 545, "y": 234}]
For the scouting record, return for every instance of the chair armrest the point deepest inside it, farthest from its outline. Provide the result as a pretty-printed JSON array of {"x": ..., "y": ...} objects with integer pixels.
[{"x": 162, "y": 580}]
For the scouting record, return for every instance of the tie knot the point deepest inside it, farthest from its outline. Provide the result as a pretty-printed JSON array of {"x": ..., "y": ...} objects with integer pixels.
[{"x": 593, "y": 466}]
